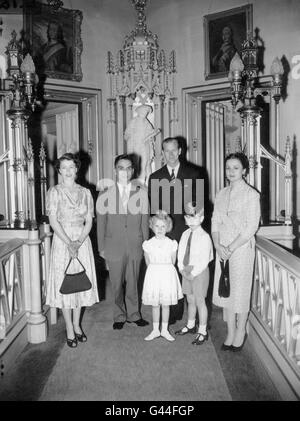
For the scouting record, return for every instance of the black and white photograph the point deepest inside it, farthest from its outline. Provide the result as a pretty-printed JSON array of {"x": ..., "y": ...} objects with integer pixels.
[
  {"x": 55, "y": 40},
  {"x": 150, "y": 204},
  {"x": 224, "y": 33}
]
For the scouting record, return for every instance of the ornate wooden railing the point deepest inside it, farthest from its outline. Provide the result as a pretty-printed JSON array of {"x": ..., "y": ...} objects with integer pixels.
[
  {"x": 22, "y": 318},
  {"x": 276, "y": 309},
  {"x": 12, "y": 285}
]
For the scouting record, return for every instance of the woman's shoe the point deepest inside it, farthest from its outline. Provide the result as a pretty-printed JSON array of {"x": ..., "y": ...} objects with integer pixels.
[
  {"x": 225, "y": 347},
  {"x": 239, "y": 348},
  {"x": 200, "y": 339},
  {"x": 81, "y": 337},
  {"x": 72, "y": 343}
]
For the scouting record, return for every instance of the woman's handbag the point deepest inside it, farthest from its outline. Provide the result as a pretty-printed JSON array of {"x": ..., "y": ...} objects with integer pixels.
[
  {"x": 224, "y": 283},
  {"x": 75, "y": 282}
]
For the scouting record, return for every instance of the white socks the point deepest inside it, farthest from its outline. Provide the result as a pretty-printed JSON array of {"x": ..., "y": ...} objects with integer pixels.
[
  {"x": 156, "y": 333},
  {"x": 165, "y": 333},
  {"x": 202, "y": 330},
  {"x": 190, "y": 324}
]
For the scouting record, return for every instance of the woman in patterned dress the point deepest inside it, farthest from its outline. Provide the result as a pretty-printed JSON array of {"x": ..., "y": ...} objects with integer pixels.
[
  {"x": 70, "y": 209},
  {"x": 234, "y": 223}
]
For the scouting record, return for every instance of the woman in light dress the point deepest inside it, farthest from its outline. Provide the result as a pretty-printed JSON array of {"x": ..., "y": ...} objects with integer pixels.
[
  {"x": 234, "y": 223},
  {"x": 70, "y": 209},
  {"x": 161, "y": 285}
]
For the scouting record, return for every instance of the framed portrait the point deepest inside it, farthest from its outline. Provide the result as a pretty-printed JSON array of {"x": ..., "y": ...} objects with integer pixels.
[
  {"x": 54, "y": 40},
  {"x": 224, "y": 33}
]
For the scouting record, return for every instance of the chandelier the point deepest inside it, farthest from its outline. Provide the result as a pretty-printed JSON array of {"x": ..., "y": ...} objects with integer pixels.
[
  {"x": 243, "y": 74},
  {"x": 140, "y": 66}
]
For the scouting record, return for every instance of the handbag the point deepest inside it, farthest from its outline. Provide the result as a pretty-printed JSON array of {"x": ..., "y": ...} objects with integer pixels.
[
  {"x": 224, "y": 282},
  {"x": 75, "y": 282}
]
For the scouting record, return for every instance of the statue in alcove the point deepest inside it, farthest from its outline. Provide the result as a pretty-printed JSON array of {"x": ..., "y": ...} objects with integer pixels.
[{"x": 140, "y": 137}]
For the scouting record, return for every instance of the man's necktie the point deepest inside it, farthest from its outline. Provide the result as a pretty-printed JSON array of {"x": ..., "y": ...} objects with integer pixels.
[
  {"x": 186, "y": 258},
  {"x": 124, "y": 198},
  {"x": 172, "y": 175}
]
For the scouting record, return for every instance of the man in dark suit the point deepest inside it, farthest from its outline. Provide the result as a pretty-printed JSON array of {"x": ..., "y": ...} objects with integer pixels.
[
  {"x": 170, "y": 188},
  {"x": 122, "y": 226}
]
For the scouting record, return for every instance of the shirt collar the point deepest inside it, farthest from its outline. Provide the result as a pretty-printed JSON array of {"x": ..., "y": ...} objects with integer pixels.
[
  {"x": 176, "y": 169},
  {"x": 121, "y": 188}
]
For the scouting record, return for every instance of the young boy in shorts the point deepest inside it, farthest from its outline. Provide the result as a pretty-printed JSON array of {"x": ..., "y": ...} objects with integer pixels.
[{"x": 195, "y": 251}]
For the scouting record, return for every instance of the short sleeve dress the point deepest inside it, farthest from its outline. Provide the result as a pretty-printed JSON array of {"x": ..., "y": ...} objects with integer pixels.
[
  {"x": 71, "y": 212},
  {"x": 161, "y": 284}
]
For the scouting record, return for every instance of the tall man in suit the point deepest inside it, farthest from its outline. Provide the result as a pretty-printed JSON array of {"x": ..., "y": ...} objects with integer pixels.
[
  {"x": 122, "y": 226},
  {"x": 170, "y": 188}
]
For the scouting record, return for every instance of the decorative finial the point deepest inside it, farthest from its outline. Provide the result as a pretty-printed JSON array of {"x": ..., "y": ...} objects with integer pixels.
[{"x": 55, "y": 4}]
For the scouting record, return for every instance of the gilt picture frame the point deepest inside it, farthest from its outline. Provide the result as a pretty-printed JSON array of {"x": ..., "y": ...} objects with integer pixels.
[
  {"x": 54, "y": 40},
  {"x": 224, "y": 33}
]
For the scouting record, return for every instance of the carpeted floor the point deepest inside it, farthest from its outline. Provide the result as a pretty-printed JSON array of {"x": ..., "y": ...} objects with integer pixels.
[{"x": 121, "y": 366}]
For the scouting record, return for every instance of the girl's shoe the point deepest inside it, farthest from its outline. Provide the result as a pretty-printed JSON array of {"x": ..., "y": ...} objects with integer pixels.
[
  {"x": 154, "y": 334},
  {"x": 81, "y": 337},
  {"x": 184, "y": 330},
  {"x": 166, "y": 334},
  {"x": 72, "y": 343}
]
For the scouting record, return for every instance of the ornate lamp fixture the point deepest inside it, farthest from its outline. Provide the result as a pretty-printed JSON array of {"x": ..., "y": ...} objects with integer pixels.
[
  {"x": 22, "y": 95},
  {"x": 243, "y": 75},
  {"x": 23, "y": 77},
  {"x": 140, "y": 65}
]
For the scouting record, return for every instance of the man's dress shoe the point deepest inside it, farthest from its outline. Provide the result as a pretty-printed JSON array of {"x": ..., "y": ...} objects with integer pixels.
[
  {"x": 118, "y": 325},
  {"x": 140, "y": 322}
]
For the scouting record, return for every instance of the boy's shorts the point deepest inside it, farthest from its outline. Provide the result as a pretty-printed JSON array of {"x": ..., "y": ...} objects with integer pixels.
[{"x": 198, "y": 286}]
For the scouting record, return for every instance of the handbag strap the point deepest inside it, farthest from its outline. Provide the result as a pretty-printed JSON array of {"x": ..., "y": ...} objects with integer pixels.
[{"x": 71, "y": 258}]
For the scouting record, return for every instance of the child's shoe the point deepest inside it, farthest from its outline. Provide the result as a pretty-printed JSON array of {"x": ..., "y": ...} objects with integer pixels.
[
  {"x": 166, "y": 334},
  {"x": 154, "y": 334}
]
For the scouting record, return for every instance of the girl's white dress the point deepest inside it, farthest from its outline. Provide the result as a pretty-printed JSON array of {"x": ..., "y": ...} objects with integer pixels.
[{"x": 161, "y": 284}]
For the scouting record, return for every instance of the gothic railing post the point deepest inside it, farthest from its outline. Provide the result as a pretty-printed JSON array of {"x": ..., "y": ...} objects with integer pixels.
[
  {"x": 288, "y": 184},
  {"x": 37, "y": 323},
  {"x": 43, "y": 171}
]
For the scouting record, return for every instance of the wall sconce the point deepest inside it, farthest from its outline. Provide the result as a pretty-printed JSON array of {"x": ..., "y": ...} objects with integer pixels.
[
  {"x": 22, "y": 80},
  {"x": 23, "y": 76},
  {"x": 243, "y": 77},
  {"x": 244, "y": 93}
]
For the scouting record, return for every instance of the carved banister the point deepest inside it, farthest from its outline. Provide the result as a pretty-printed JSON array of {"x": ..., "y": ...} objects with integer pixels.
[{"x": 275, "y": 315}]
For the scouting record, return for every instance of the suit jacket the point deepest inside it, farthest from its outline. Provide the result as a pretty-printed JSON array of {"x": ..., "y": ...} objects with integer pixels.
[
  {"x": 118, "y": 232},
  {"x": 173, "y": 199}
]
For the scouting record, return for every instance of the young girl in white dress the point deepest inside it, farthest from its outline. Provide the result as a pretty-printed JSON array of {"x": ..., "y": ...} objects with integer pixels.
[{"x": 161, "y": 284}]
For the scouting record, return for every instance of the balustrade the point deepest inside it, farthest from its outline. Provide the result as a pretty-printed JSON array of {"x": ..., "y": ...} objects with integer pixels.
[
  {"x": 12, "y": 300},
  {"x": 275, "y": 312}
]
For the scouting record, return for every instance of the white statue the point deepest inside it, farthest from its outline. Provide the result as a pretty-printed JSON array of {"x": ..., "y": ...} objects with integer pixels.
[{"x": 140, "y": 136}]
